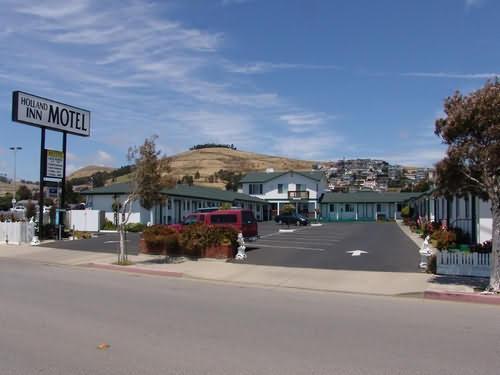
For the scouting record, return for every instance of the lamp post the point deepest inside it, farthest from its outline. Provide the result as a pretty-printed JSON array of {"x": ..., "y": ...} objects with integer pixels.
[{"x": 15, "y": 149}]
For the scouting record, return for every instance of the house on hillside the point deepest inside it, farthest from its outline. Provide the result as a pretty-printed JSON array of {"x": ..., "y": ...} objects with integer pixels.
[
  {"x": 300, "y": 188},
  {"x": 468, "y": 212},
  {"x": 363, "y": 205},
  {"x": 179, "y": 202}
]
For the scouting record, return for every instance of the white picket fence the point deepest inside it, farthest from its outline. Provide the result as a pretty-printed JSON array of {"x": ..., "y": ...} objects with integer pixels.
[
  {"x": 463, "y": 264},
  {"x": 16, "y": 233}
]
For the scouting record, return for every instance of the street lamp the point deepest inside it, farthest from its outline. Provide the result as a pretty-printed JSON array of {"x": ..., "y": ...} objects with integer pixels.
[{"x": 15, "y": 149}]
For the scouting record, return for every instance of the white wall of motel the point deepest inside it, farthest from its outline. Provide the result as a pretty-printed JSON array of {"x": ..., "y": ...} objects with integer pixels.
[
  {"x": 175, "y": 208},
  {"x": 275, "y": 189},
  {"x": 467, "y": 212}
]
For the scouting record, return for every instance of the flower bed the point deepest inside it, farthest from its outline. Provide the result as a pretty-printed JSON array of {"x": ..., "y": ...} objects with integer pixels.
[{"x": 194, "y": 241}]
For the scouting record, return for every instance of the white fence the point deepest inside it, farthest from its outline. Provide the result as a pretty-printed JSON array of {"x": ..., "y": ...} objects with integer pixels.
[
  {"x": 86, "y": 220},
  {"x": 463, "y": 264},
  {"x": 16, "y": 233}
]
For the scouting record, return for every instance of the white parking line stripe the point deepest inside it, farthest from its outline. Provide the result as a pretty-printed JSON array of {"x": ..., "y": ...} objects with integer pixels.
[
  {"x": 292, "y": 247},
  {"x": 297, "y": 240}
]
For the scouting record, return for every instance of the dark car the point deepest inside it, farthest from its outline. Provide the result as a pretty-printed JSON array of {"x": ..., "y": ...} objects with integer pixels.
[{"x": 294, "y": 219}]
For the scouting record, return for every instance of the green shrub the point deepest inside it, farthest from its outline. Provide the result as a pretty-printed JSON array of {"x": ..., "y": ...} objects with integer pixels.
[
  {"x": 406, "y": 212},
  {"x": 135, "y": 227},
  {"x": 432, "y": 264},
  {"x": 444, "y": 239},
  {"x": 484, "y": 247},
  {"x": 194, "y": 239},
  {"x": 82, "y": 235},
  {"x": 108, "y": 225},
  {"x": 162, "y": 239}
]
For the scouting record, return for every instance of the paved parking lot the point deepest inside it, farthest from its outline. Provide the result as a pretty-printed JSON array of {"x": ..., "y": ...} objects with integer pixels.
[
  {"x": 102, "y": 243},
  {"x": 383, "y": 246}
]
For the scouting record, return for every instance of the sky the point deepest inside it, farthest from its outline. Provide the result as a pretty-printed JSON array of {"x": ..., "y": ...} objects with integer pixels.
[{"x": 310, "y": 79}]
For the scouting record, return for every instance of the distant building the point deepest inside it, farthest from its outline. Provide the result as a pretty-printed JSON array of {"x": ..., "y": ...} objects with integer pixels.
[
  {"x": 363, "y": 206},
  {"x": 300, "y": 188}
]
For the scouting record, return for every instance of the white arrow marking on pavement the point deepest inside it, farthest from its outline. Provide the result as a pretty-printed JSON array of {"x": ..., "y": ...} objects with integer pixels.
[{"x": 357, "y": 253}]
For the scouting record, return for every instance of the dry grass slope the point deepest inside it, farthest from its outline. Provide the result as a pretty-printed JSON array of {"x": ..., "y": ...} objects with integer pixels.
[
  {"x": 210, "y": 160},
  {"x": 89, "y": 171}
]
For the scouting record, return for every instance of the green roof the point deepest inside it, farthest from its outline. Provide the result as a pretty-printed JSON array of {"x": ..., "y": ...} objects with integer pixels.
[
  {"x": 200, "y": 192},
  {"x": 209, "y": 193},
  {"x": 257, "y": 177},
  {"x": 367, "y": 197},
  {"x": 121, "y": 188}
]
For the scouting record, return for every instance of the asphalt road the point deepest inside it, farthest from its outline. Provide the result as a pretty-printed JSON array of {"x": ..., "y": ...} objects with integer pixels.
[
  {"x": 384, "y": 247},
  {"x": 52, "y": 320}
]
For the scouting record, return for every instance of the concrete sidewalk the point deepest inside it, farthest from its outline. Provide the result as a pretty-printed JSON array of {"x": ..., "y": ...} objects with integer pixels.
[{"x": 360, "y": 282}]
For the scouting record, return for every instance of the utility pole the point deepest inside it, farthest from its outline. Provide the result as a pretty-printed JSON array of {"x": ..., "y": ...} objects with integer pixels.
[{"x": 15, "y": 149}]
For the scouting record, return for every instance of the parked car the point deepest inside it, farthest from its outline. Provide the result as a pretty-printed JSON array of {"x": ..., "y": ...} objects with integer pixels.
[
  {"x": 240, "y": 219},
  {"x": 18, "y": 208},
  {"x": 294, "y": 219}
]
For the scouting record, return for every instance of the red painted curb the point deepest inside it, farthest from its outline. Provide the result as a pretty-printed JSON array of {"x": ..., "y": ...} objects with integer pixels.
[
  {"x": 132, "y": 269},
  {"x": 463, "y": 297}
]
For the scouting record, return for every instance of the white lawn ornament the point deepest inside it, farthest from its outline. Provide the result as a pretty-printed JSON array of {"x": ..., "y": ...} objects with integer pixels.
[
  {"x": 241, "y": 249},
  {"x": 34, "y": 241},
  {"x": 425, "y": 253}
]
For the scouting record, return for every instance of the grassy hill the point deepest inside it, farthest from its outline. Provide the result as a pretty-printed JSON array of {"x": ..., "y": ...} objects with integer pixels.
[
  {"x": 210, "y": 160},
  {"x": 89, "y": 170},
  {"x": 207, "y": 161}
]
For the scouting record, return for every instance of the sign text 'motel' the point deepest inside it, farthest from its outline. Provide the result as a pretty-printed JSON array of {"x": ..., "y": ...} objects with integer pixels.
[{"x": 37, "y": 111}]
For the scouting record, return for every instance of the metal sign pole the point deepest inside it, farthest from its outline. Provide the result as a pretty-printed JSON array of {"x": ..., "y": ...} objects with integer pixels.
[
  {"x": 40, "y": 195},
  {"x": 62, "y": 211}
]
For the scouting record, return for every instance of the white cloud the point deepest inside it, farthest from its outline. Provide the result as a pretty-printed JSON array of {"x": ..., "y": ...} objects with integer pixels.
[
  {"x": 473, "y": 3},
  {"x": 104, "y": 158},
  {"x": 141, "y": 72},
  {"x": 451, "y": 75},
  {"x": 304, "y": 118},
  {"x": 265, "y": 67},
  {"x": 310, "y": 147},
  {"x": 234, "y": 2},
  {"x": 53, "y": 9},
  {"x": 418, "y": 157}
]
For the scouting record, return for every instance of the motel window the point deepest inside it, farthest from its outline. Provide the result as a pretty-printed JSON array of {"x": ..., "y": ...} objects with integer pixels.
[
  {"x": 467, "y": 208},
  {"x": 298, "y": 187},
  {"x": 332, "y": 208},
  {"x": 379, "y": 207},
  {"x": 255, "y": 189},
  {"x": 349, "y": 207},
  {"x": 280, "y": 188}
]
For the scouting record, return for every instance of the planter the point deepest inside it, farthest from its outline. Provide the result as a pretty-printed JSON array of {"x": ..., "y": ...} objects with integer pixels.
[
  {"x": 219, "y": 252},
  {"x": 146, "y": 248}
]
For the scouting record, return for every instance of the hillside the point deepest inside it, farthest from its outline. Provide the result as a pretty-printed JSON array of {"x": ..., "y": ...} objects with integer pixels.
[
  {"x": 210, "y": 160},
  {"x": 207, "y": 161},
  {"x": 88, "y": 171}
]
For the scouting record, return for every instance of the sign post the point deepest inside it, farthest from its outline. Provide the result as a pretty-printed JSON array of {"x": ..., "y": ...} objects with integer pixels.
[{"x": 48, "y": 114}]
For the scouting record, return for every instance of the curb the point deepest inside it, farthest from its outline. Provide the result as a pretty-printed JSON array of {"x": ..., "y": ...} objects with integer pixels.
[
  {"x": 463, "y": 297},
  {"x": 132, "y": 269}
]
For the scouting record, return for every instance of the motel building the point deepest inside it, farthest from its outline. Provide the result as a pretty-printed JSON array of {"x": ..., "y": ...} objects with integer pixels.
[
  {"x": 179, "y": 202},
  {"x": 299, "y": 188},
  {"x": 363, "y": 205},
  {"x": 467, "y": 212}
]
